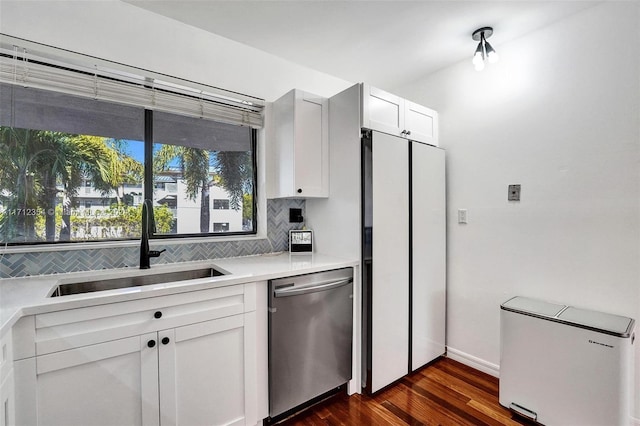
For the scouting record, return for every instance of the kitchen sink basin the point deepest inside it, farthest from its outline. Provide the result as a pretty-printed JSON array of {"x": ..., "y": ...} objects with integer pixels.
[{"x": 134, "y": 281}]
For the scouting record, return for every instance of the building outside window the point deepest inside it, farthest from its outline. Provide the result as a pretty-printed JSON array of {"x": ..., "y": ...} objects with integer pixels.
[{"x": 73, "y": 169}]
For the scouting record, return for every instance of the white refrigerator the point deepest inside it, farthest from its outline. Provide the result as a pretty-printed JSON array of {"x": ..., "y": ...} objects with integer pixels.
[{"x": 403, "y": 264}]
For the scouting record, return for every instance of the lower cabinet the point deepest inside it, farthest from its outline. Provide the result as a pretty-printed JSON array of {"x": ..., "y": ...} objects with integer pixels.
[
  {"x": 111, "y": 383},
  {"x": 7, "y": 416},
  {"x": 207, "y": 373},
  {"x": 180, "y": 360},
  {"x": 7, "y": 394},
  {"x": 199, "y": 374}
]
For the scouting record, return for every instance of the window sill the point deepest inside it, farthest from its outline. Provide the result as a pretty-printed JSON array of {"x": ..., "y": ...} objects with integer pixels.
[{"x": 129, "y": 243}]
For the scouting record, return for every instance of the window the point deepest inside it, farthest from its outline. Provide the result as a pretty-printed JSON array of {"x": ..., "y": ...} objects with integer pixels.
[
  {"x": 59, "y": 154},
  {"x": 83, "y": 143},
  {"x": 211, "y": 162},
  {"x": 62, "y": 154},
  {"x": 220, "y": 227},
  {"x": 220, "y": 204}
]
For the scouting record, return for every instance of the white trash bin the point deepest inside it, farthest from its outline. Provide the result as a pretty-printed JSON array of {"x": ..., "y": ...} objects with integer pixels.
[{"x": 564, "y": 366}]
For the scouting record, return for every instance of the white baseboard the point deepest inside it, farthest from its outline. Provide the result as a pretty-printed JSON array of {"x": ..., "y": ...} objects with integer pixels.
[{"x": 474, "y": 362}]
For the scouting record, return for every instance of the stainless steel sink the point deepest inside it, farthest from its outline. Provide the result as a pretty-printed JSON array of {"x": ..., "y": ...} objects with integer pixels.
[{"x": 124, "y": 282}]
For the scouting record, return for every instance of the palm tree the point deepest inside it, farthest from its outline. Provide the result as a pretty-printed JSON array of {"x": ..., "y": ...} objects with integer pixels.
[
  {"x": 233, "y": 169},
  {"x": 19, "y": 185},
  {"x": 32, "y": 162},
  {"x": 35, "y": 163},
  {"x": 52, "y": 163},
  {"x": 124, "y": 169},
  {"x": 105, "y": 163}
]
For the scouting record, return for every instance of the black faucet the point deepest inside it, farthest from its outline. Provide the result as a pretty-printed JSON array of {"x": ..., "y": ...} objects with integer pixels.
[{"x": 148, "y": 227}]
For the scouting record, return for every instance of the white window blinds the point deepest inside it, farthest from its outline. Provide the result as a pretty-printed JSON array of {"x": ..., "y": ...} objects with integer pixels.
[{"x": 20, "y": 67}]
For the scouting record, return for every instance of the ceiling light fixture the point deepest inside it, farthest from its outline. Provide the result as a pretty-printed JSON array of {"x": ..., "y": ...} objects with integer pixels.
[{"x": 484, "y": 49}]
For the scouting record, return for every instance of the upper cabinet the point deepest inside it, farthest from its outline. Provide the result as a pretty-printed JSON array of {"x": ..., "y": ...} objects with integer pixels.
[
  {"x": 396, "y": 116},
  {"x": 298, "y": 151}
]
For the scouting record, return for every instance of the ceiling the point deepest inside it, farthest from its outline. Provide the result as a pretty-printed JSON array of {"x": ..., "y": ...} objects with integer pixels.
[{"x": 385, "y": 43}]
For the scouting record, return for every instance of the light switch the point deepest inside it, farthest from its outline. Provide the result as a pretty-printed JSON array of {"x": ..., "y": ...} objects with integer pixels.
[{"x": 462, "y": 215}]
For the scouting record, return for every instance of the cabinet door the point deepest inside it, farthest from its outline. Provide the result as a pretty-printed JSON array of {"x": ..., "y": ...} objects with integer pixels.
[
  {"x": 298, "y": 155},
  {"x": 7, "y": 412},
  {"x": 7, "y": 406},
  {"x": 390, "y": 270},
  {"x": 208, "y": 373},
  {"x": 428, "y": 254},
  {"x": 311, "y": 145},
  {"x": 382, "y": 111},
  {"x": 112, "y": 383},
  {"x": 421, "y": 123}
]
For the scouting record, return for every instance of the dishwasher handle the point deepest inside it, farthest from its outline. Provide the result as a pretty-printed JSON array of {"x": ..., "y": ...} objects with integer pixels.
[{"x": 310, "y": 288}]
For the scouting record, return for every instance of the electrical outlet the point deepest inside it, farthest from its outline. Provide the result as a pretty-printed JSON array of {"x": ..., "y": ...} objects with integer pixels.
[
  {"x": 514, "y": 193},
  {"x": 295, "y": 215}
]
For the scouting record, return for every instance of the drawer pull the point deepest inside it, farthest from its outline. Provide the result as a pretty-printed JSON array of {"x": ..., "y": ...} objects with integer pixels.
[
  {"x": 157, "y": 314},
  {"x": 165, "y": 340},
  {"x": 151, "y": 343}
]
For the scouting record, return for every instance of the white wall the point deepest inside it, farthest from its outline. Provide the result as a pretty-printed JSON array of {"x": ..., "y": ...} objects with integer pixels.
[
  {"x": 560, "y": 115},
  {"x": 110, "y": 29}
]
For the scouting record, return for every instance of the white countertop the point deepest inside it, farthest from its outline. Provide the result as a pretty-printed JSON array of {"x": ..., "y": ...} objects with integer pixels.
[{"x": 29, "y": 295}]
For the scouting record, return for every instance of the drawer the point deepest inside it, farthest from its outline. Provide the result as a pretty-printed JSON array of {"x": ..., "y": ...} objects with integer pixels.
[{"x": 62, "y": 330}]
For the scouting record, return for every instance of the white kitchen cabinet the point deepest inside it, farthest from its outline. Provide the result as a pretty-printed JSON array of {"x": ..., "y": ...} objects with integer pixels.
[
  {"x": 192, "y": 375},
  {"x": 7, "y": 409},
  {"x": 110, "y": 383},
  {"x": 388, "y": 113},
  {"x": 15, "y": 346},
  {"x": 183, "y": 359},
  {"x": 299, "y": 147},
  {"x": 207, "y": 373},
  {"x": 7, "y": 405}
]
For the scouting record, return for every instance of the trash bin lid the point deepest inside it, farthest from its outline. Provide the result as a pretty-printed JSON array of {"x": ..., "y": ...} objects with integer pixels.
[
  {"x": 532, "y": 306},
  {"x": 598, "y": 321},
  {"x": 601, "y": 322}
]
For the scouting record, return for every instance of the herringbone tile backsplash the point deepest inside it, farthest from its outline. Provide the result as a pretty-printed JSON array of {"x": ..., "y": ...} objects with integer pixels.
[{"x": 52, "y": 262}]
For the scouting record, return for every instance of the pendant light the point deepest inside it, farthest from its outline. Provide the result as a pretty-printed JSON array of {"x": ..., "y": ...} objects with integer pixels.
[{"x": 484, "y": 49}]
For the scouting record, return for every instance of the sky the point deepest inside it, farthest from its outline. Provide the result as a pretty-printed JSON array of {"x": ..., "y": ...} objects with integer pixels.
[{"x": 136, "y": 150}]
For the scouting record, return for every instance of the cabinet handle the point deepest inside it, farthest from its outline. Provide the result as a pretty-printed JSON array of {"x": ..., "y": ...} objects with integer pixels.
[
  {"x": 165, "y": 340},
  {"x": 157, "y": 314},
  {"x": 151, "y": 343},
  {"x": 404, "y": 132},
  {"x": 408, "y": 132},
  {"x": 299, "y": 190}
]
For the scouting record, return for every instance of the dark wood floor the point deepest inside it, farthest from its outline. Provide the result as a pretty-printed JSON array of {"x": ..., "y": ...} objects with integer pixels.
[{"x": 442, "y": 393}]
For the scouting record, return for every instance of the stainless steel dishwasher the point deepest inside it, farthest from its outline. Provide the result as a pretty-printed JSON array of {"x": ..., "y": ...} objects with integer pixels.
[{"x": 310, "y": 334}]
